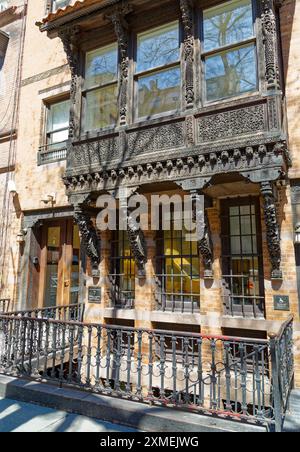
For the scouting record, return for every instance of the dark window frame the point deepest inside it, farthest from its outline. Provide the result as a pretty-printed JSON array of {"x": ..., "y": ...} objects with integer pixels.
[{"x": 257, "y": 310}]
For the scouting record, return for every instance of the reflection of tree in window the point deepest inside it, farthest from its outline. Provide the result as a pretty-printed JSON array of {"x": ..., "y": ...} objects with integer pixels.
[
  {"x": 158, "y": 70},
  {"x": 232, "y": 71}
]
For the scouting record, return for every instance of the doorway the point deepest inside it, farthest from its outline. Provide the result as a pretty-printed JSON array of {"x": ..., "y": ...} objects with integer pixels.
[{"x": 60, "y": 264}]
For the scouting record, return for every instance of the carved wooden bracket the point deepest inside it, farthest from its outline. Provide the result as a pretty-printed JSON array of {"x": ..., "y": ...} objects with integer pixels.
[
  {"x": 186, "y": 8},
  {"x": 270, "y": 34},
  {"x": 205, "y": 245},
  {"x": 272, "y": 227},
  {"x": 69, "y": 38},
  {"x": 89, "y": 237},
  {"x": 136, "y": 238},
  {"x": 117, "y": 17}
]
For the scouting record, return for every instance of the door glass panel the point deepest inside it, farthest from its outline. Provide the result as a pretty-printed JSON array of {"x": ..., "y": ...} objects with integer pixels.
[{"x": 53, "y": 256}]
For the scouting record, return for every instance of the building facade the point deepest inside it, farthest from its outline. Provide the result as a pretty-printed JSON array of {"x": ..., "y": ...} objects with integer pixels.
[{"x": 179, "y": 98}]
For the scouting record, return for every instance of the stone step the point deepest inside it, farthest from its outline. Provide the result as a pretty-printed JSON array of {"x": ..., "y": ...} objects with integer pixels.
[{"x": 124, "y": 412}]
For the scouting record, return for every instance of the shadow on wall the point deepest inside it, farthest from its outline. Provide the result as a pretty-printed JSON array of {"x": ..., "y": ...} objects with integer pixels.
[{"x": 287, "y": 18}]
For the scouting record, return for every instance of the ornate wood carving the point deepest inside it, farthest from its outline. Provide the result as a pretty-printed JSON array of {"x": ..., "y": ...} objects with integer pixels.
[
  {"x": 117, "y": 17},
  {"x": 269, "y": 27},
  {"x": 205, "y": 245},
  {"x": 69, "y": 38},
  {"x": 138, "y": 246},
  {"x": 186, "y": 8},
  {"x": 89, "y": 237},
  {"x": 272, "y": 229},
  {"x": 90, "y": 172}
]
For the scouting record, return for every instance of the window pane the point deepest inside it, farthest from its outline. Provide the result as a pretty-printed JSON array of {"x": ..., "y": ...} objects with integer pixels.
[
  {"x": 102, "y": 108},
  {"x": 59, "y": 137},
  {"x": 231, "y": 73},
  {"x": 159, "y": 92},
  {"x": 228, "y": 24},
  {"x": 158, "y": 48},
  {"x": 101, "y": 66},
  {"x": 58, "y": 117}
]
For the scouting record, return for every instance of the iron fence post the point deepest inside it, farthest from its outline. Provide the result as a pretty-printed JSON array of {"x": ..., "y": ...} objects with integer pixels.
[{"x": 276, "y": 384}]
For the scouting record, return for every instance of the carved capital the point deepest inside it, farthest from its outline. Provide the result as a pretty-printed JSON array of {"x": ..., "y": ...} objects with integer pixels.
[
  {"x": 89, "y": 237},
  {"x": 205, "y": 245},
  {"x": 272, "y": 229},
  {"x": 269, "y": 27},
  {"x": 186, "y": 7}
]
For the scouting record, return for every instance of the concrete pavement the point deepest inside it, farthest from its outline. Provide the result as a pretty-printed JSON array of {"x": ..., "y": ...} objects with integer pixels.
[{"x": 26, "y": 417}]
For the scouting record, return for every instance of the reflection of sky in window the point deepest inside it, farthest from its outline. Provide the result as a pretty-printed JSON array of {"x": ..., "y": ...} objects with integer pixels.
[
  {"x": 158, "y": 48},
  {"x": 229, "y": 24},
  {"x": 59, "y": 116},
  {"x": 161, "y": 80},
  {"x": 102, "y": 65},
  {"x": 240, "y": 63}
]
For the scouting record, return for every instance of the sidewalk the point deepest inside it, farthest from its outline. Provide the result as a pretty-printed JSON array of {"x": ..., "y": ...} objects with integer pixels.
[{"x": 25, "y": 417}]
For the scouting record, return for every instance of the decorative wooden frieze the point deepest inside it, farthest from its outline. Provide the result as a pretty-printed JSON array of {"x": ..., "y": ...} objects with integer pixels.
[
  {"x": 189, "y": 131},
  {"x": 186, "y": 8},
  {"x": 232, "y": 123},
  {"x": 117, "y": 17},
  {"x": 69, "y": 38},
  {"x": 89, "y": 237},
  {"x": 272, "y": 229},
  {"x": 93, "y": 153},
  {"x": 269, "y": 27},
  {"x": 167, "y": 136},
  {"x": 256, "y": 163}
]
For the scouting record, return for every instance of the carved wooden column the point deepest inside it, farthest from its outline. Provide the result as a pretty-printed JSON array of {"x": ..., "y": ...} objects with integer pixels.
[
  {"x": 69, "y": 38},
  {"x": 135, "y": 234},
  {"x": 272, "y": 229},
  {"x": 89, "y": 237},
  {"x": 186, "y": 8},
  {"x": 117, "y": 17},
  {"x": 205, "y": 246},
  {"x": 269, "y": 27}
]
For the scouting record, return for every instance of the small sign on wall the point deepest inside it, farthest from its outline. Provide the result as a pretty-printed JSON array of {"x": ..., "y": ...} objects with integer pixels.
[
  {"x": 95, "y": 294},
  {"x": 281, "y": 302}
]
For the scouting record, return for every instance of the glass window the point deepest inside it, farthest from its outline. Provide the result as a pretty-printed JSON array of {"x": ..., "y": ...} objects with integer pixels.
[
  {"x": 158, "y": 71},
  {"x": 229, "y": 50},
  {"x": 122, "y": 272},
  {"x": 58, "y": 124},
  {"x": 57, "y": 4},
  {"x": 3, "y": 5},
  {"x": 101, "y": 88},
  {"x": 177, "y": 271}
]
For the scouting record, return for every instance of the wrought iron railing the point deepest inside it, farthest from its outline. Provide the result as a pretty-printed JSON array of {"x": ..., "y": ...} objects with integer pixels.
[
  {"x": 176, "y": 299},
  {"x": 242, "y": 296},
  {"x": 52, "y": 153},
  {"x": 5, "y": 304},
  {"x": 225, "y": 376},
  {"x": 72, "y": 312}
]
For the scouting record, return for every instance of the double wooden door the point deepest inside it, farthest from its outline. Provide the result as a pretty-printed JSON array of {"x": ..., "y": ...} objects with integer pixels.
[{"x": 59, "y": 264}]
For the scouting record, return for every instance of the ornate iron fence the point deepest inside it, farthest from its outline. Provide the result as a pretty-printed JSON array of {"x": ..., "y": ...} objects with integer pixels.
[
  {"x": 64, "y": 313},
  {"x": 243, "y": 379}
]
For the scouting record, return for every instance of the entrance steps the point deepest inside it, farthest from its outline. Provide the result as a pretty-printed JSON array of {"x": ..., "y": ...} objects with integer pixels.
[{"x": 125, "y": 412}]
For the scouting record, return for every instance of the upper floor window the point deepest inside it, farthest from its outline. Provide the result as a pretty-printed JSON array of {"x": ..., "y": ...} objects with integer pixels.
[
  {"x": 229, "y": 45},
  {"x": 58, "y": 124},
  {"x": 57, "y": 4},
  {"x": 3, "y": 5},
  {"x": 158, "y": 77},
  {"x": 101, "y": 88}
]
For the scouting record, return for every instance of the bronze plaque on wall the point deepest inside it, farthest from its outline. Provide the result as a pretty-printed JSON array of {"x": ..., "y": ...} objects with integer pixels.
[
  {"x": 281, "y": 303},
  {"x": 95, "y": 294}
]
